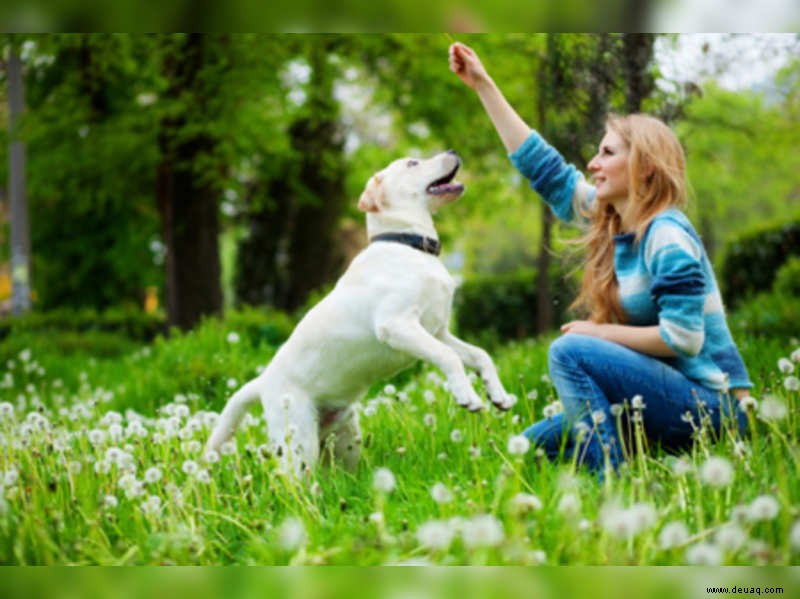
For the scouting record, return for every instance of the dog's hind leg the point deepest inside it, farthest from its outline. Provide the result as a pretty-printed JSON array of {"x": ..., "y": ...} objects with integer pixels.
[
  {"x": 340, "y": 437},
  {"x": 293, "y": 431},
  {"x": 233, "y": 413}
]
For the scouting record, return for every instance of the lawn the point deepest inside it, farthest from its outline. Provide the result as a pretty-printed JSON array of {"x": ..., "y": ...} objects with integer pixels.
[{"x": 102, "y": 464}]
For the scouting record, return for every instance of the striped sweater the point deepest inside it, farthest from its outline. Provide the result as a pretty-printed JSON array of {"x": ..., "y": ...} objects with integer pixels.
[{"x": 665, "y": 280}]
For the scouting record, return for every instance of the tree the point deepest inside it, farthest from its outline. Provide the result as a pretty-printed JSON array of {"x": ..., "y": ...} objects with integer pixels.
[
  {"x": 187, "y": 186},
  {"x": 20, "y": 236}
]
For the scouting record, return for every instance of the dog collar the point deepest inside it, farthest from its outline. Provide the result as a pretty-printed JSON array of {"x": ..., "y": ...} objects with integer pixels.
[{"x": 419, "y": 242}]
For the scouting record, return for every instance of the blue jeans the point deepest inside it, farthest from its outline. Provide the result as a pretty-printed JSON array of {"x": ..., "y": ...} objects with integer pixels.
[{"x": 592, "y": 374}]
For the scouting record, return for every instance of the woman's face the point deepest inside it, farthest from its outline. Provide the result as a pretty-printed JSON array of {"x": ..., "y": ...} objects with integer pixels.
[{"x": 609, "y": 170}]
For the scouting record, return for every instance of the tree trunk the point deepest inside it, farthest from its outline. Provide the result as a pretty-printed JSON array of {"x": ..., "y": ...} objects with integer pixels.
[
  {"x": 637, "y": 55},
  {"x": 187, "y": 201},
  {"x": 20, "y": 231}
]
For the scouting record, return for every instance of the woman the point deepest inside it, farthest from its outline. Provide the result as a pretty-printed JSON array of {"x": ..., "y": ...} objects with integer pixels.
[{"x": 656, "y": 326}]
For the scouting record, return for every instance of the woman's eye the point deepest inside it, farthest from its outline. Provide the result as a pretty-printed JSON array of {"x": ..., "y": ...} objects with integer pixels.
[{"x": 412, "y": 163}]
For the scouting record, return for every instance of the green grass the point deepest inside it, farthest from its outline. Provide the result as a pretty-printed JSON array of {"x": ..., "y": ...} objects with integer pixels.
[{"x": 55, "y": 506}]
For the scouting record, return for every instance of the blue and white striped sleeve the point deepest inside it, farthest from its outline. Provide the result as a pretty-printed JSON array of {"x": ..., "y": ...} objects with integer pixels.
[
  {"x": 674, "y": 260},
  {"x": 560, "y": 184}
]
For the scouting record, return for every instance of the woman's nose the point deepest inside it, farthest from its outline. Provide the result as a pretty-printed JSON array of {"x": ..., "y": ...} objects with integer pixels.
[{"x": 593, "y": 166}]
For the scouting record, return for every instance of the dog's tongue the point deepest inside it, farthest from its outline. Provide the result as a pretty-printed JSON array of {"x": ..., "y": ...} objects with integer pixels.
[{"x": 446, "y": 188}]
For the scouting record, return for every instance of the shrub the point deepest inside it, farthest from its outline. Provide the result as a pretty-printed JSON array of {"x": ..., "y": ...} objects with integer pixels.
[
  {"x": 767, "y": 315},
  {"x": 131, "y": 323},
  {"x": 787, "y": 280},
  {"x": 505, "y": 305},
  {"x": 752, "y": 261}
]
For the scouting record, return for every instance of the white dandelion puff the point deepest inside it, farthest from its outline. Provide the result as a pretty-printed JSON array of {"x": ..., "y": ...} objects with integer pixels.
[
  {"x": 10, "y": 477},
  {"x": 794, "y": 536},
  {"x": 637, "y": 402},
  {"x": 717, "y": 472},
  {"x": 429, "y": 396},
  {"x": 483, "y": 530},
  {"x": 730, "y": 537},
  {"x": 152, "y": 475},
  {"x": 523, "y": 503},
  {"x": 203, "y": 476},
  {"x": 211, "y": 457},
  {"x": 791, "y": 383},
  {"x": 456, "y": 436},
  {"x": 190, "y": 467},
  {"x": 748, "y": 404},
  {"x": 383, "y": 481},
  {"x": 569, "y": 505},
  {"x": 435, "y": 535},
  {"x": 672, "y": 535},
  {"x": 441, "y": 494},
  {"x": 598, "y": 416},
  {"x": 429, "y": 420},
  {"x": 233, "y": 338},
  {"x": 762, "y": 508},
  {"x": 232, "y": 383},
  {"x": 228, "y": 448},
  {"x": 785, "y": 366},
  {"x": 110, "y": 502},
  {"x": 772, "y": 408},
  {"x": 795, "y": 357},
  {"x": 704, "y": 554},
  {"x": 389, "y": 390},
  {"x": 292, "y": 534},
  {"x": 518, "y": 445},
  {"x": 616, "y": 410}
]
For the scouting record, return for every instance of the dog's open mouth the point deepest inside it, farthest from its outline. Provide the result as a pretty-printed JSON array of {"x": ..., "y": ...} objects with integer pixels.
[{"x": 446, "y": 185}]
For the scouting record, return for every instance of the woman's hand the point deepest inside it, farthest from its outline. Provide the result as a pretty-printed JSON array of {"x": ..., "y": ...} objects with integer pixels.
[
  {"x": 466, "y": 64},
  {"x": 646, "y": 340},
  {"x": 584, "y": 327}
]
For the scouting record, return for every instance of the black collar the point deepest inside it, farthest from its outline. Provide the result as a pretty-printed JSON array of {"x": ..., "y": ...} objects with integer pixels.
[{"x": 419, "y": 242}]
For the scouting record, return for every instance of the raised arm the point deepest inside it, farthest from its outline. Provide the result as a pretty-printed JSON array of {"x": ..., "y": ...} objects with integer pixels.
[{"x": 465, "y": 63}]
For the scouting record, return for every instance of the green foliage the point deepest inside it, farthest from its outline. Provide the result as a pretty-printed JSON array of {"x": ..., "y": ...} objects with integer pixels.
[
  {"x": 787, "y": 279},
  {"x": 752, "y": 260},
  {"x": 504, "y": 306},
  {"x": 767, "y": 314},
  {"x": 131, "y": 323}
]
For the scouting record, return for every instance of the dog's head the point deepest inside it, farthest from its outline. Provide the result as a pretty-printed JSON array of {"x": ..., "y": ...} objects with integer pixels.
[{"x": 409, "y": 183}]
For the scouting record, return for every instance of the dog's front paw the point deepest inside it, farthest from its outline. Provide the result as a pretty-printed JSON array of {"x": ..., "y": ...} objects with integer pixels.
[
  {"x": 502, "y": 401},
  {"x": 470, "y": 400}
]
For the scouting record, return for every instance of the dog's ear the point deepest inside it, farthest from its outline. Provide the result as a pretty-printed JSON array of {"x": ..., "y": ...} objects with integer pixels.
[{"x": 373, "y": 198}]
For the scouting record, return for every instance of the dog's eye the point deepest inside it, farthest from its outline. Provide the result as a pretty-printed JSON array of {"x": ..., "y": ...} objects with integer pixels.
[{"x": 411, "y": 163}]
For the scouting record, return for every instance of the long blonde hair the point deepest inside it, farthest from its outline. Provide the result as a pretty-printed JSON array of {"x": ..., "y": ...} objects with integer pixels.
[{"x": 656, "y": 181}]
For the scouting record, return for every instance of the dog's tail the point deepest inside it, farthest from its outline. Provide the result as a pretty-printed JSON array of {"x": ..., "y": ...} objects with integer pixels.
[{"x": 232, "y": 415}]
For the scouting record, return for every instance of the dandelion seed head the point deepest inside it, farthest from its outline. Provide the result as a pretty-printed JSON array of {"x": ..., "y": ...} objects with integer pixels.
[
  {"x": 616, "y": 410},
  {"x": 228, "y": 448},
  {"x": 110, "y": 502},
  {"x": 190, "y": 467},
  {"x": 389, "y": 390},
  {"x": 716, "y": 472},
  {"x": 483, "y": 530},
  {"x": 794, "y": 536},
  {"x": 731, "y": 537},
  {"x": 383, "y": 481},
  {"x": 429, "y": 420},
  {"x": 211, "y": 457},
  {"x": 429, "y": 396},
  {"x": 441, "y": 494},
  {"x": 795, "y": 357},
  {"x": 704, "y": 554},
  {"x": 763, "y": 508},
  {"x": 672, "y": 535},
  {"x": 523, "y": 503},
  {"x": 791, "y": 383},
  {"x": 233, "y": 338},
  {"x": 10, "y": 477},
  {"x": 456, "y": 436},
  {"x": 518, "y": 445},
  {"x": 598, "y": 417},
  {"x": 203, "y": 476},
  {"x": 569, "y": 505},
  {"x": 637, "y": 402},
  {"x": 435, "y": 535},
  {"x": 748, "y": 404},
  {"x": 152, "y": 475},
  {"x": 292, "y": 534},
  {"x": 772, "y": 408}
]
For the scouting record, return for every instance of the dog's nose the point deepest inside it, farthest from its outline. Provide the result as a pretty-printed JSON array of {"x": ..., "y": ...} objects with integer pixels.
[{"x": 453, "y": 152}]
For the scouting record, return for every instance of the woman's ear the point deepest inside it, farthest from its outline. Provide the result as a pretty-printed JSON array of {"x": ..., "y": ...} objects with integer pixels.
[{"x": 373, "y": 199}]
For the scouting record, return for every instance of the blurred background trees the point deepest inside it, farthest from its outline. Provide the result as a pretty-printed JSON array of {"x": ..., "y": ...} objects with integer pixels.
[{"x": 194, "y": 172}]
